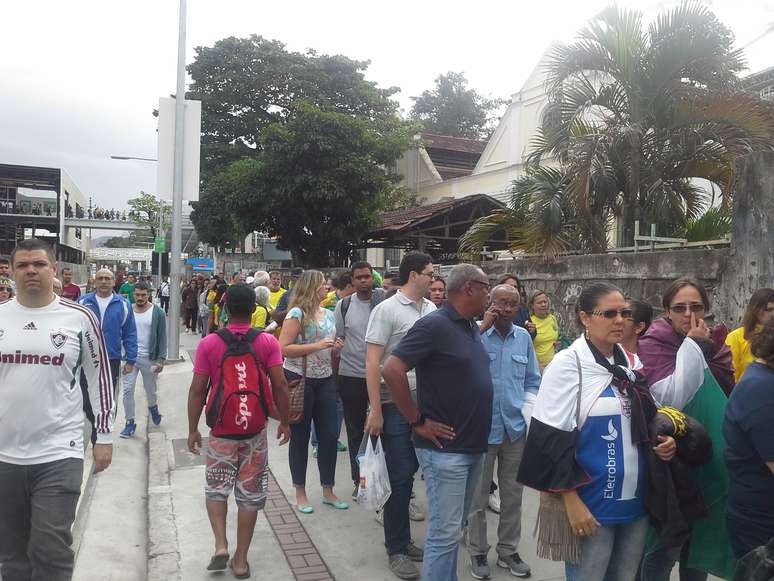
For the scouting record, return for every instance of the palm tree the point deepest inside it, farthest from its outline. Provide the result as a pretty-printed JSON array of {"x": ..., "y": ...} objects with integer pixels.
[
  {"x": 637, "y": 116},
  {"x": 540, "y": 219}
]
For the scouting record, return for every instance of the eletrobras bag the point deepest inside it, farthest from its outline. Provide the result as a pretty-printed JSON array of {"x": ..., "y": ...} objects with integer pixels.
[
  {"x": 556, "y": 540},
  {"x": 297, "y": 389}
]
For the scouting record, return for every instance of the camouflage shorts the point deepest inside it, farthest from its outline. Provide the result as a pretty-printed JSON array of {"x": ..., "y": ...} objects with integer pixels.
[{"x": 240, "y": 465}]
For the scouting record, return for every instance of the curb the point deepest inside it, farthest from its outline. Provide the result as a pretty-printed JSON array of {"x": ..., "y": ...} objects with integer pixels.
[{"x": 163, "y": 555}]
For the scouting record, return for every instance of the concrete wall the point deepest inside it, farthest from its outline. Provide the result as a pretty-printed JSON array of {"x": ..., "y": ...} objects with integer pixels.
[
  {"x": 642, "y": 276},
  {"x": 751, "y": 260}
]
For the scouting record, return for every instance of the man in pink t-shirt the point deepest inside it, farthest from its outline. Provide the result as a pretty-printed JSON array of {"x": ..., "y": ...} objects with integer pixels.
[{"x": 235, "y": 464}]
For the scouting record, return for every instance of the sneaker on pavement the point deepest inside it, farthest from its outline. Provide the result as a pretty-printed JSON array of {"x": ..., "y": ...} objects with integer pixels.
[
  {"x": 355, "y": 491},
  {"x": 513, "y": 562},
  {"x": 415, "y": 513},
  {"x": 494, "y": 501},
  {"x": 155, "y": 415},
  {"x": 403, "y": 567},
  {"x": 314, "y": 452},
  {"x": 415, "y": 553},
  {"x": 380, "y": 517},
  {"x": 341, "y": 447},
  {"x": 129, "y": 429},
  {"x": 479, "y": 568}
]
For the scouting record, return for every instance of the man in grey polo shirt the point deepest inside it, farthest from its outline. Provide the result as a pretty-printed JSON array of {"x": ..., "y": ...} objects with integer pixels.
[
  {"x": 352, "y": 313},
  {"x": 390, "y": 321}
]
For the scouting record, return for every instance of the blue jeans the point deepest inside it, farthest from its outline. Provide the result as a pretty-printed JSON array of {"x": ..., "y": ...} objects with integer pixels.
[
  {"x": 658, "y": 565},
  {"x": 401, "y": 466},
  {"x": 320, "y": 405},
  {"x": 613, "y": 553},
  {"x": 339, "y": 419},
  {"x": 451, "y": 481}
]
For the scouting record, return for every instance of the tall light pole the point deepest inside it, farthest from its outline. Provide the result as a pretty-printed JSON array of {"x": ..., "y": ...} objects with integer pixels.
[
  {"x": 177, "y": 195},
  {"x": 161, "y": 204}
]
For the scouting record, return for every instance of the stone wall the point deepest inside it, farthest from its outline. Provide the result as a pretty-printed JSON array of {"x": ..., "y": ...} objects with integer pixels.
[{"x": 642, "y": 276}]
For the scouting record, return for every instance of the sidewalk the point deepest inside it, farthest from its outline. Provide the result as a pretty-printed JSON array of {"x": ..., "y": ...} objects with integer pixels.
[
  {"x": 148, "y": 508},
  {"x": 349, "y": 543}
]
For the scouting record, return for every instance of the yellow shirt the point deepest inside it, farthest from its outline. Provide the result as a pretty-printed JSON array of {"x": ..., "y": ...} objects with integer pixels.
[
  {"x": 547, "y": 336},
  {"x": 330, "y": 301},
  {"x": 275, "y": 296},
  {"x": 260, "y": 317},
  {"x": 741, "y": 352}
]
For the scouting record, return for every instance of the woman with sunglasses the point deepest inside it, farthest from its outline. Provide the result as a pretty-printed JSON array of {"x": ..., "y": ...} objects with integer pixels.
[
  {"x": 588, "y": 438},
  {"x": 689, "y": 370},
  {"x": 6, "y": 290}
]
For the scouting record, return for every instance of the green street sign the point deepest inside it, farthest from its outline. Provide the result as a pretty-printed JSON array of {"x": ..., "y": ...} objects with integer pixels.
[{"x": 160, "y": 244}]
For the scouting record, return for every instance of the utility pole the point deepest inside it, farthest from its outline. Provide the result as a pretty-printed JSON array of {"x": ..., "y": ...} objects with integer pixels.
[{"x": 177, "y": 196}]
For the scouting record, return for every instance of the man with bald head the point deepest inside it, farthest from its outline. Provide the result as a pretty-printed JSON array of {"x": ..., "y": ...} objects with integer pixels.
[
  {"x": 118, "y": 327},
  {"x": 515, "y": 378}
]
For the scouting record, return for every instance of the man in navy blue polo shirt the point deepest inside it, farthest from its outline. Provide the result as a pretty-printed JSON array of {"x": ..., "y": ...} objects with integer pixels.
[{"x": 453, "y": 414}]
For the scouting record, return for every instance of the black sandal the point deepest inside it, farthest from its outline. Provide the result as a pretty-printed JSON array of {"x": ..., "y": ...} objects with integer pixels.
[
  {"x": 245, "y": 575},
  {"x": 218, "y": 563}
]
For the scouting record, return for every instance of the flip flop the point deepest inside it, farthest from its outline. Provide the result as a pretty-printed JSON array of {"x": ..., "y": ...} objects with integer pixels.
[
  {"x": 218, "y": 563},
  {"x": 339, "y": 504},
  {"x": 245, "y": 575},
  {"x": 306, "y": 509}
]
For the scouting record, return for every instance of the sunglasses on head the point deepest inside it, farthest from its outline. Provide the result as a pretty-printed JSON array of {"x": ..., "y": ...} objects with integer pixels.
[
  {"x": 682, "y": 308},
  {"x": 613, "y": 313}
]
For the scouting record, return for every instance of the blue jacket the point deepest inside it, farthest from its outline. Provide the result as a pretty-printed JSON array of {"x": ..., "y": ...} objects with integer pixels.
[{"x": 118, "y": 326}]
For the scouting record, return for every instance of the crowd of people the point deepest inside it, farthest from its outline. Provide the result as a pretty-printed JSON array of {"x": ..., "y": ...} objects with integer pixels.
[{"x": 650, "y": 438}]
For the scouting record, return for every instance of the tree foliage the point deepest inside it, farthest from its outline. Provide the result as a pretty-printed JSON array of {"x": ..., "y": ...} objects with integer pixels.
[
  {"x": 144, "y": 211},
  {"x": 637, "y": 117},
  {"x": 452, "y": 108},
  {"x": 294, "y": 145}
]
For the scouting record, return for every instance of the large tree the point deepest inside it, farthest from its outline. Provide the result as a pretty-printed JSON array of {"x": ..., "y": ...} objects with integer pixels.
[
  {"x": 452, "y": 108},
  {"x": 638, "y": 115},
  {"x": 636, "y": 119},
  {"x": 287, "y": 117}
]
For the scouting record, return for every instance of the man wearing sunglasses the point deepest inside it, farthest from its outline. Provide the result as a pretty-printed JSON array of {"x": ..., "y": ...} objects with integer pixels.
[{"x": 453, "y": 413}]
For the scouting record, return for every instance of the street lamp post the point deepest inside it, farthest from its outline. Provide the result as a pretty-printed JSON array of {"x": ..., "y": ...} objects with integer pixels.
[
  {"x": 160, "y": 231},
  {"x": 177, "y": 195}
]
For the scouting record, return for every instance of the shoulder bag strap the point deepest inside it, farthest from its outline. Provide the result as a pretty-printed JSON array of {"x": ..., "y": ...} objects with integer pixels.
[
  {"x": 580, "y": 391},
  {"x": 303, "y": 340}
]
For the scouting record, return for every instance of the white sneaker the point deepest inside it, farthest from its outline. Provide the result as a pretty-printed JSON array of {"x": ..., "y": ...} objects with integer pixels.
[
  {"x": 494, "y": 501},
  {"x": 415, "y": 513}
]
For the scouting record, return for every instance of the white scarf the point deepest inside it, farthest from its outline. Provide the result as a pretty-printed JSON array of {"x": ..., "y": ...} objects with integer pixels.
[{"x": 557, "y": 397}]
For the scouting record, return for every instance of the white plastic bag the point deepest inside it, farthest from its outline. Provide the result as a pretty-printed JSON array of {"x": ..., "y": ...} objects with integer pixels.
[{"x": 375, "y": 486}]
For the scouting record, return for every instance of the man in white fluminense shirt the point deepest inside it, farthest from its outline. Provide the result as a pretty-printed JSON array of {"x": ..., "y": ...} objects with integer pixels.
[{"x": 44, "y": 343}]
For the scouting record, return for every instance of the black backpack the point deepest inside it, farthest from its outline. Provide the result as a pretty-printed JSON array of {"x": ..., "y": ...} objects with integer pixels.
[{"x": 376, "y": 297}]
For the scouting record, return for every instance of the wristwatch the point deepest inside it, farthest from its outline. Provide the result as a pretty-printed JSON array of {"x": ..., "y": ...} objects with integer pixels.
[{"x": 420, "y": 421}]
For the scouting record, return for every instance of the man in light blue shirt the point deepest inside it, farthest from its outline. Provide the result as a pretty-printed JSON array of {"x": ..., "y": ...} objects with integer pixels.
[{"x": 515, "y": 379}]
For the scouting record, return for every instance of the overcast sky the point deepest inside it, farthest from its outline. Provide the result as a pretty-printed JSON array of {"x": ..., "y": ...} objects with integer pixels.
[{"x": 80, "y": 78}]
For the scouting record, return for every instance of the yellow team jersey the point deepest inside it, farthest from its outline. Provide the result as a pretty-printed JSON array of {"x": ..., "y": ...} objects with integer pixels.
[
  {"x": 547, "y": 336},
  {"x": 260, "y": 317},
  {"x": 741, "y": 352},
  {"x": 275, "y": 296}
]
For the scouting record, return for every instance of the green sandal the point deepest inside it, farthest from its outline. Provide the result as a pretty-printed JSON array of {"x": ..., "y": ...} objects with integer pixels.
[{"x": 339, "y": 504}]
